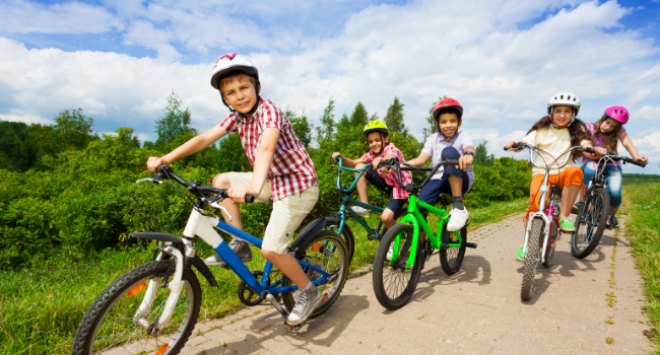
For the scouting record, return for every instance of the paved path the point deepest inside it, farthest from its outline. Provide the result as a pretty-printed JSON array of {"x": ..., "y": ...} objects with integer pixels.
[{"x": 476, "y": 311}]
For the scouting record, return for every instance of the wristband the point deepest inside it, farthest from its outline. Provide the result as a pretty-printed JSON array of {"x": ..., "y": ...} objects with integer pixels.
[{"x": 469, "y": 152}]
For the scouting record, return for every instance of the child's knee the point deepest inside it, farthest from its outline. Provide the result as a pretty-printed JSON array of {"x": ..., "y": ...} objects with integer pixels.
[
  {"x": 450, "y": 153},
  {"x": 269, "y": 255},
  {"x": 221, "y": 181},
  {"x": 387, "y": 215}
]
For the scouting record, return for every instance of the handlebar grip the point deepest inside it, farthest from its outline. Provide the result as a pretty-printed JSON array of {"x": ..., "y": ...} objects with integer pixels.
[
  {"x": 450, "y": 162},
  {"x": 590, "y": 150},
  {"x": 248, "y": 198},
  {"x": 336, "y": 160}
]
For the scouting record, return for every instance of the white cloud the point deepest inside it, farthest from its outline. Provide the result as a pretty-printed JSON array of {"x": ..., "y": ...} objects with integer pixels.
[
  {"x": 19, "y": 16},
  {"x": 17, "y": 116},
  {"x": 638, "y": 96},
  {"x": 647, "y": 113}
]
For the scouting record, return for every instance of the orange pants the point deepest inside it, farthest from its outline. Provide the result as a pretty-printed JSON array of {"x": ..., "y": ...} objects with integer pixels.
[{"x": 571, "y": 176}]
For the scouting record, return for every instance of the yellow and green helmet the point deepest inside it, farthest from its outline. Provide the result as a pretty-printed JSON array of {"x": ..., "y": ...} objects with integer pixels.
[{"x": 376, "y": 126}]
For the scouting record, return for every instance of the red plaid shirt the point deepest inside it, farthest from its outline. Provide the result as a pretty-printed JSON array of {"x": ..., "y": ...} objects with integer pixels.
[
  {"x": 292, "y": 169},
  {"x": 392, "y": 179}
]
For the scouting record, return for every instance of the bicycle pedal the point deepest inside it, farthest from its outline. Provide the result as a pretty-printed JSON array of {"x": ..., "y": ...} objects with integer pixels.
[
  {"x": 470, "y": 245},
  {"x": 292, "y": 327}
]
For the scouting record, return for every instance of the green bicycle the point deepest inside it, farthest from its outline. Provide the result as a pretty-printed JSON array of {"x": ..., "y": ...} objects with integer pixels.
[{"x": 399, "y": 259}]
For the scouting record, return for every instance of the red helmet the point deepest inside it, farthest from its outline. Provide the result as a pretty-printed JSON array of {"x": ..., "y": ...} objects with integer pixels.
[{"x": 445, "y": 104}]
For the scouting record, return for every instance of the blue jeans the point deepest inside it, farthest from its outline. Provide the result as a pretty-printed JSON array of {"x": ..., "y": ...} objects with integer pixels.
[
  {"x": 430, "y": 193},
  {"x": 613, "y": 177}
]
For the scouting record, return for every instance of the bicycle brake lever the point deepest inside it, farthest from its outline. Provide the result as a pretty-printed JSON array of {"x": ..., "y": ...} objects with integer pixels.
[
  {"x": 154, "y": 180},
  {"x": 221, "y": 208}
]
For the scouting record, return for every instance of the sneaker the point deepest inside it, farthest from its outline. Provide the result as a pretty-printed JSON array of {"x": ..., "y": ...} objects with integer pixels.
[
  {"x": 361, "y": 211},
  {"x": 458, "y": 219},
  {"x": 613, "y": 223},
  {"x": 240, "y": 247},
  {"x": 306, "y": 301},
  {"x": 389, "y": 252},
  {"x": 576, "y": 207},
  {"x": 566, "y": 225},
  {"x": 519, "y": 254}
]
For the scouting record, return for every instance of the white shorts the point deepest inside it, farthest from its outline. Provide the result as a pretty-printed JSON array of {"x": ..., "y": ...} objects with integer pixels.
[{"x": 288, "y": 213}]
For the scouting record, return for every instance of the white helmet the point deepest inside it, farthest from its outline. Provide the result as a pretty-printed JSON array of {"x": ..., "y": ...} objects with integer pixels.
[
  {"x": 229, "y": 63},
  {"x": 564, "y": 99}
]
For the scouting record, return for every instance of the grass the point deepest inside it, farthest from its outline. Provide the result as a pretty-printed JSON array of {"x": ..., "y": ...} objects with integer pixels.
[
  {"x": 40, "y": 307},
  {"x": 642, "y": 205}
]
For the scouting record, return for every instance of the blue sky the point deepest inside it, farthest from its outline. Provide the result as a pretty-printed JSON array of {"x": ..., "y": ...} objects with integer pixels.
[{"x": 502, "y": 59}]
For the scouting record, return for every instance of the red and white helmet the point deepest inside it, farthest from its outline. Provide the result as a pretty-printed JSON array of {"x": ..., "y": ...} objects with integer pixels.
[
  {"x": 445, "y": 104},
  {"x": 229, "y": 63},
  {"x": 564, "y": 99}
]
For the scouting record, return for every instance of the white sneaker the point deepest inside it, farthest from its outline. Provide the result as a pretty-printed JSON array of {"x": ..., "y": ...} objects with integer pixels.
[
  {"x": 458, "y": 219},
  {"x": 306, "y": 302},
  {"x": 361, "y": 211},
  {"x": 389, "y": 252}
]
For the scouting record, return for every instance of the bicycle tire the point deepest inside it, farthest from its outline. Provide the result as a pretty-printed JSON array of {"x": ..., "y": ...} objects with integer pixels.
[
  {"x": 531, "y": 260},
  {"x": 340, "y": 272},
  {"x": 88, "y": 329},
  {"x": 451, "y": 259},
  {"x": 584, "y": 241},
  {"x": 346, "y": 234},
  {"x": 381, "y": 264}
]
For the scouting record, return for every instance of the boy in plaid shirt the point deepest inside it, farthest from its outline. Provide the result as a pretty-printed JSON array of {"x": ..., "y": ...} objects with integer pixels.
[{"x": 281, "y": 169}]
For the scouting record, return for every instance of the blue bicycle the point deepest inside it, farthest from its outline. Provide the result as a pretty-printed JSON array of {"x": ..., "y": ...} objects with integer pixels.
[{"x": 154, "y": 307}]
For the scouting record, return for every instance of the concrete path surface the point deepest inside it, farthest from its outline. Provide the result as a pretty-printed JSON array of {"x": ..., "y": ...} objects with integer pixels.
[{"x": 590, "y": 306}]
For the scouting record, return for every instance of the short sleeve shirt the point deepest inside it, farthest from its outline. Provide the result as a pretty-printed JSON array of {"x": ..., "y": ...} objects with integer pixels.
[
  {"x": 292, "y": 170},
  {"x": 599, "y": 141},
  {"x": 436, "y": 143},
  {"x": 392, "y": 179},
  {"x": 556, "y": 142}
]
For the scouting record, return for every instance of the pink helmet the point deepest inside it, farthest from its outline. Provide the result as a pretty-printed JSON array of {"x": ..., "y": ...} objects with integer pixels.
[{"x": 618, "y": 113}]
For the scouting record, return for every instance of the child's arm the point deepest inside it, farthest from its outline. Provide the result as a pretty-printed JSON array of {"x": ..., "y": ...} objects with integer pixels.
[
  {"x": 350, "y": 163},
  {"x": 192, "y": 146},
  {"x": 628, "y": 144},
  {"x": 262, "y": 162},
  {"x": 509, "y": 145},
  {"x": 420, "y": 160}
]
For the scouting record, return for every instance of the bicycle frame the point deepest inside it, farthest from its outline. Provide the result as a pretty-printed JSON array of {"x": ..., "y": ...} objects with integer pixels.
[
  {"x": 346, "y": 200},
  {"x": 202, "y": 226},
  {"x": 415, "y": 218}
]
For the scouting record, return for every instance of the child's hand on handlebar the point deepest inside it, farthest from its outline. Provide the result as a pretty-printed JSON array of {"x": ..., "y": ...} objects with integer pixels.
[
  {"x": 237, "y": 194},
  {"x": 510, "y": 145},
  {"x": 154, "y": 162},
  {"x": 465, "y": 162},
  {"x": 642, "y": 160},
  {"x": 335, "y": 155}
]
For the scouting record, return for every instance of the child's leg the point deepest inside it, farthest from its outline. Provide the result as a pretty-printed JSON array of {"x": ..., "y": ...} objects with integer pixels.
[
  {"x": 570, "y": 182},
  {"x": 393, "y": 206},
  {"x": 614, "y": 180},
  {"x": 589, "y": 170},
  {"x": 430, "y": 194},
  {"x": 362, "y": 184},
  {"x": 458, "y": 179},
  {"x": 221, "y": 181}
]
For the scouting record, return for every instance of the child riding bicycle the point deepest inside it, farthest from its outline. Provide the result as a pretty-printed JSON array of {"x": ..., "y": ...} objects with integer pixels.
[
  {"x": 605, "y": 135},
  {"x": 556, "y": 133},
  {"x": 448, "y": 143},
  {"x": 377, "y": 136},
  {"x": 281, "y": 169}
]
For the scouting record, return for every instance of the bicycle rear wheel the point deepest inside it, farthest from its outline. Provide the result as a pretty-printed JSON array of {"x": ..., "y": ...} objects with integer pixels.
[
  {"x": 328, "y": 253},
  {"x": 346, "y": 234},
  {"x": 531, "y": 259},
  {"x": 394, "y": 284},
  {"x": 590, "y": 223},
  {"x": 109, "y": 327},
  {"x": 451, "y": 258}
]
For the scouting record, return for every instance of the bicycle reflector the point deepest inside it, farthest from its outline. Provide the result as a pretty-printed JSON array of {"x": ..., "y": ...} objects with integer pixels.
[
  {"x": 136, "y": 289},
  {"x": 162, "y": 349},
  {"x": 316, "y": 247}
]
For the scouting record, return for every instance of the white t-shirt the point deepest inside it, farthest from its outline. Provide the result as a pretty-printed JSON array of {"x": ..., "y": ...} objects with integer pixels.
[{"x": 554, "y": 141}]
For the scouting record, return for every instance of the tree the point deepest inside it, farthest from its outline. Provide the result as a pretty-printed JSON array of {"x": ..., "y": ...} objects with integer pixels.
[
  {"x": 394, "y": 117},
  {"x": 175, "y": 122},
  {"x": 301, "y": 126},
  {"x": 359, "y": 117},
  {"x": 481, "y": 156},
  {"x": 325, "y": 132},
  {"x": 72, "y": 131},
  {"x": 19, "y": 149}
]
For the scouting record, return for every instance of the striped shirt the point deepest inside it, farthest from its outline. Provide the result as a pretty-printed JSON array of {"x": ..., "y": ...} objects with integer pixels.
[
  {"x": 436, "y": 143},
  {"x": 292, "y": 170},
  {"x": 392, "y": 179}
]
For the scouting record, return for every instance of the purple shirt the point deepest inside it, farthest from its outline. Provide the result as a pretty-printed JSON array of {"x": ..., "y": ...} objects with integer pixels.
[
  {"x": 436, "y": 143},
  {"x": 599, "y": 141}
]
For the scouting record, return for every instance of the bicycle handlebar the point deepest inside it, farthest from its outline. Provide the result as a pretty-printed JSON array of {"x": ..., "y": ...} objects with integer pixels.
[
  {"x": 521, "y": 145},
  {"x": 165, "y": 172},
  {"x": 410, "y": 187},
  {"x": 614, "y": 157}
]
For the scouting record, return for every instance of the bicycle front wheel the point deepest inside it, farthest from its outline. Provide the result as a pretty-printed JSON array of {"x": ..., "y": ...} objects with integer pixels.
[
  {"x": 395, "y": 284},
  {"x": 109, "y": 326},
  {"x": 327, "y": 252},
  {"x": 531, "y": 259},
  {"x": 451, "y": 258},
  {"x": 590, "y": 223}
]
